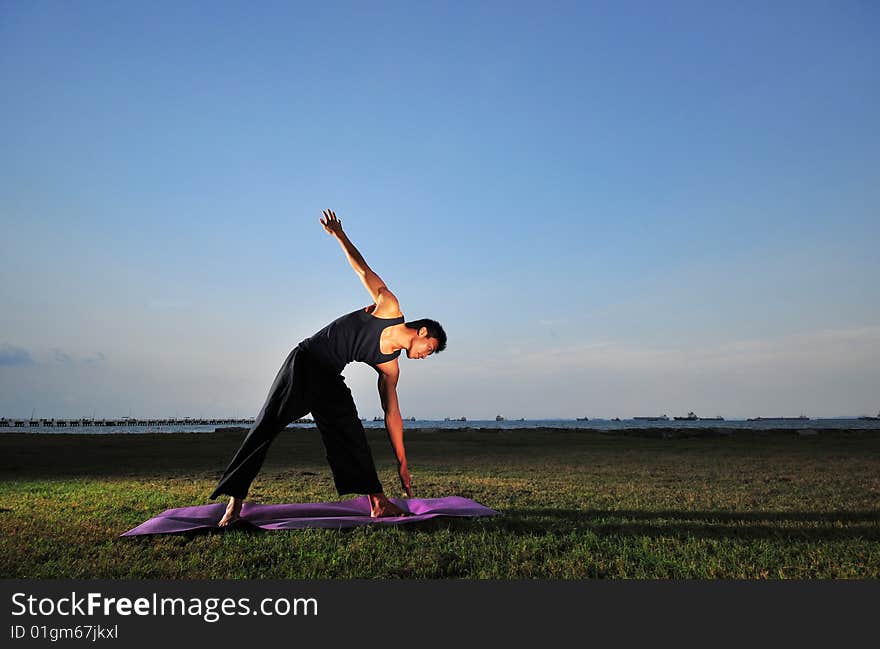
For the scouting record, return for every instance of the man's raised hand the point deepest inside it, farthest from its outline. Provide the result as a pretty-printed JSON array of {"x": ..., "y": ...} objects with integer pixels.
[{"x": 331, "y": 224}]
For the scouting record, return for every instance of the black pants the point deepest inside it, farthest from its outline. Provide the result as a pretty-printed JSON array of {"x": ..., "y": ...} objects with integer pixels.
[{"x": 303, "y": 386}]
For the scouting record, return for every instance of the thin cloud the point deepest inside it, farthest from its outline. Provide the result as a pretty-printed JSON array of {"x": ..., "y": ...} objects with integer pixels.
[
  {"x": 14, "y": 356},
  {"x": 853, "y": 348},
  {"x": 826, "y": 372},
  {"x": 62, "y": 357}
]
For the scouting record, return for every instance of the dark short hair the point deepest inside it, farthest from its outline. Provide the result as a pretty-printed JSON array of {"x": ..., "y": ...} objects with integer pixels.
[{"x": 434, "y": 331}]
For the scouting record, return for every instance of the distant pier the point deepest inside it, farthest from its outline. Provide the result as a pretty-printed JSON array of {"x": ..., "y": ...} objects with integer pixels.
[{"x": 125, "y": 421}]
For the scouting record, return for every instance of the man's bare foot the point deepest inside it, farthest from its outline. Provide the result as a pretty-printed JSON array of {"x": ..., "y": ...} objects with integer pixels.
[
  {"x": 381, "y": 507},
  {"x": 233, "y": 511}
]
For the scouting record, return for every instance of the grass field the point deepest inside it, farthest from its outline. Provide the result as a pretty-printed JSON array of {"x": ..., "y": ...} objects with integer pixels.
[{"x": 576, "y": 504}]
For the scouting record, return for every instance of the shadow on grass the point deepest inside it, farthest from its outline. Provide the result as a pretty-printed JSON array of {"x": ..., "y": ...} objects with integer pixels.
[
  {"x": 831, "y": 525},
  {"x": 721, "y": 516}
]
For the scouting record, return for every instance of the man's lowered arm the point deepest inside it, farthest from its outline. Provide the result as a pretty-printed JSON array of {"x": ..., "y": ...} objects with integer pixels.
[{"x": 394, "y": 425}]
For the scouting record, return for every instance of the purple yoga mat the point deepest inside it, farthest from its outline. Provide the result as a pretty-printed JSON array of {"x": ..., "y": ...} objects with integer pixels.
[{"x": 345, "y": 513}]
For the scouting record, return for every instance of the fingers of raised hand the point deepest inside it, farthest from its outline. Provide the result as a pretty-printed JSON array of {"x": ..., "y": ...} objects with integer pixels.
[{"x": 330, "y": 220}]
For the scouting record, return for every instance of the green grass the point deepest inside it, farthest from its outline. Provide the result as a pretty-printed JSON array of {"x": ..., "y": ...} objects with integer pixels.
[{"x": 575, "y": 504}]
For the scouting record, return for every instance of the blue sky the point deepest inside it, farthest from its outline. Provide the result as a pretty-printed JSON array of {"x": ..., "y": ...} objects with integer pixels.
[{"x": 614, "y": 209}]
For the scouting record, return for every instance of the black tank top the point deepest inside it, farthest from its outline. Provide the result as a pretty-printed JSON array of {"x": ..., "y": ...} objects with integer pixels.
[{"x": 352, "y": 337}]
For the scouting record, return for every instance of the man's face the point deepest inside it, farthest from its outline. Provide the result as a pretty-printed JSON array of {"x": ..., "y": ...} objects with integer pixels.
[{"x": 422, "y": 346}]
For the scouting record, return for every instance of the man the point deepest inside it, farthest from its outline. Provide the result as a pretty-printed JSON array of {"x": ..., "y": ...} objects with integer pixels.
[{"x": 310, "y": 380}]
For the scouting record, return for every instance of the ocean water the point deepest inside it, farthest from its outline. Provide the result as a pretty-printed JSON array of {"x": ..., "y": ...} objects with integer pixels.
[{"x": 593, "y": 424}]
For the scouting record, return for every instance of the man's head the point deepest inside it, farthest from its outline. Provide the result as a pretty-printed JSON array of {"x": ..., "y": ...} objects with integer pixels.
[{"x": 429, "y": 338}]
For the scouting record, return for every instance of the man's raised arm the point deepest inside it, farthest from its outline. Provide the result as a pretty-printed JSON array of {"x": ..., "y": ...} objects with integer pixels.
[{"x": 371, "y": 280}]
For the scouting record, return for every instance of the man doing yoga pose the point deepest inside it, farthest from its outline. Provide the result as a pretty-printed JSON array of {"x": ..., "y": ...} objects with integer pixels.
[{"x": 310, "y": 380}]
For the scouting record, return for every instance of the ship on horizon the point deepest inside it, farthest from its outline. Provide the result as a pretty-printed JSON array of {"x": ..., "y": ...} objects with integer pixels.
[
  {"x": 801, "y": 417},
  {"x": 870, "y": 417},
  {"x": 692, "y": 417},
  {"x": 660, "y": 418}
]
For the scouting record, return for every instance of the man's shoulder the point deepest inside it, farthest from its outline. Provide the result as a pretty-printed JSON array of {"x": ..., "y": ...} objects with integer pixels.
[{"x": 387, "y": 306}]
